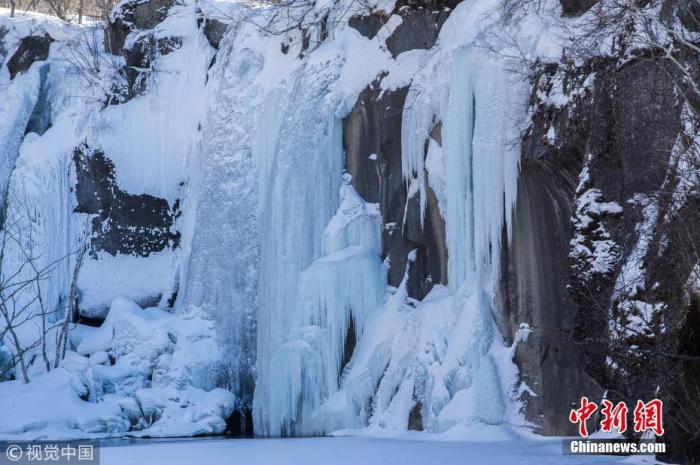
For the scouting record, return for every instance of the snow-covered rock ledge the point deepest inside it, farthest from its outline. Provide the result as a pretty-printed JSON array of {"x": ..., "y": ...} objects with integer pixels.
[{"x": 132, "y": 376}]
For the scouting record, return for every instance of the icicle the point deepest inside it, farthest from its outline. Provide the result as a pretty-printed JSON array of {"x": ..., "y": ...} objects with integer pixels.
[
  {"x": 418, "y": 120},
  {"x": 482, "y": 156}
]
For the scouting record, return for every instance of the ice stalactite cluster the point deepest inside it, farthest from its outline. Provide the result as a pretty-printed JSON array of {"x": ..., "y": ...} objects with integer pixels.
[
  {"x": 338, "y": 293},
  {"x": 482, "y": 158},
  {"x": 442, "y": 359}
]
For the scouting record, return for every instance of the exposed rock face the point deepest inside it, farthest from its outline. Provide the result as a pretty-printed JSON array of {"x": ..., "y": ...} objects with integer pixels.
[
  {"x": 601, "y": 164},
  {"x": 131, "y": 16},
  {"x": 576, "y": 7},
  {"x": 596, "y": 169},
  {"x": 534, "y": 270},
  {"x": 418, "y": 30},
  {"x": 214, "y": 31},
  {"x": 368, "y": 25},
  {"x": 138, "y": 18},
  {"x": 125, "y": 224},
  {"x": 31, "y": 49},
  {"x": 372, "y": 140}
]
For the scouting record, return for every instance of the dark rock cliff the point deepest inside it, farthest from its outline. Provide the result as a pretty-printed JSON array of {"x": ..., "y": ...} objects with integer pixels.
[
  {"x": 591, "y": 169},
  {"x": 603, "y": 248},
  {"x": 136, "y": 20},
  {"x": 372, "y": 140},
  {"x": 31, "y": 49},
  {"x": 123, "y": 223}
]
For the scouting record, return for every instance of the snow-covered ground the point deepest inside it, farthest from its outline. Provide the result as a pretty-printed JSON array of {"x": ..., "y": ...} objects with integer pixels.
[{"x": 409, "y": 449}]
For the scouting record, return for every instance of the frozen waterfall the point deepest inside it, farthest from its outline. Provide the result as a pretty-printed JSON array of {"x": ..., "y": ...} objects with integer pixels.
[
  {"x": 482, "y": 156},
  {"x": 296, "y": 282},
  {"x": 301, "y": 195}
]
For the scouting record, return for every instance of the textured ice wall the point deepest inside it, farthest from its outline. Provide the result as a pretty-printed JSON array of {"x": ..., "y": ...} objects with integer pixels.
[
  {"x": 17, "y": 101},
  {"x": 338, "y": 293},
  {"x": 302, "y": 196},
  {"x": 221, "y": 275}
]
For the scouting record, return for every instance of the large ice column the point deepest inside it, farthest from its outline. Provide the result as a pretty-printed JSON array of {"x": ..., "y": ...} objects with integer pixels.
[
  {"x": 482, "y": 160},
  {"x": 337, "y": 295},
  {"x": 301, "y": 196},
  {"x": 482, "y": 156},
  {"x": 221, "y": 277}
]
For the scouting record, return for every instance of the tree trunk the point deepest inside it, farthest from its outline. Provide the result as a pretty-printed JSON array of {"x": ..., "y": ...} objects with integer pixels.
[
  {"x": 12, "y": 8},
  {"x": 71, "y": 308},
  {"x": 18, "y": 348}
]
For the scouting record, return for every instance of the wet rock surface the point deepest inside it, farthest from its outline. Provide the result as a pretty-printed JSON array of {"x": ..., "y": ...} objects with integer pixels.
[
  {"x": 372, "y": 139},
  {"x": 611, "y": 140}
]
